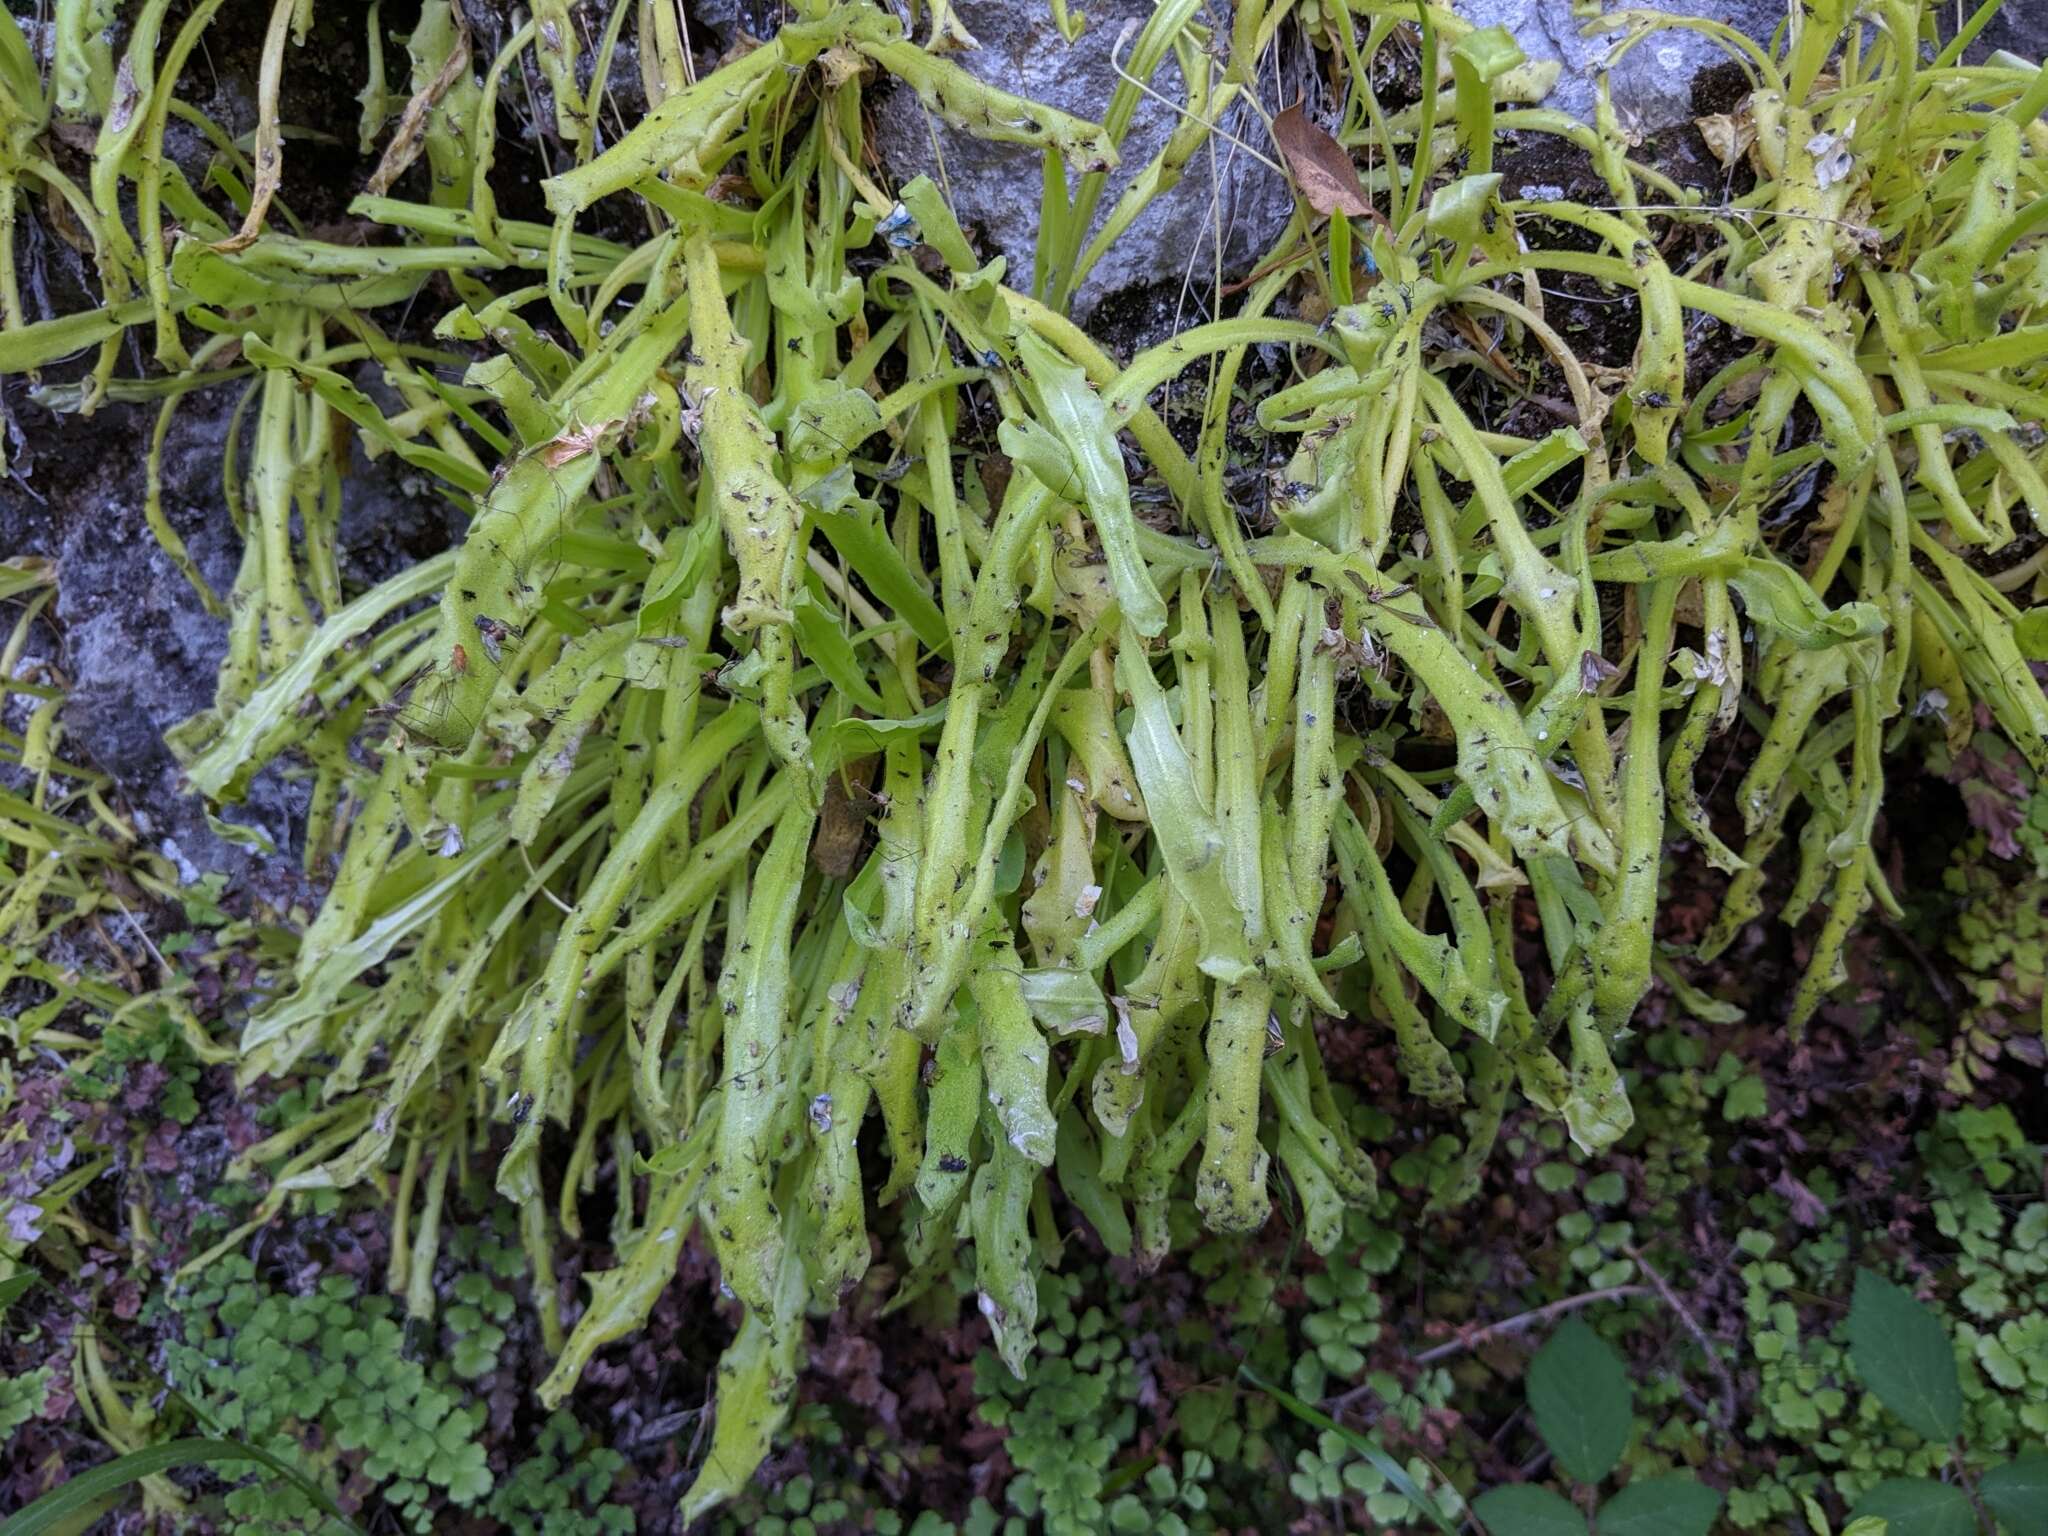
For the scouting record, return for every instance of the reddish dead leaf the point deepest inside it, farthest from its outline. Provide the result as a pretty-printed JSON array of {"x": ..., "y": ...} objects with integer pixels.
[
  {"x": 1320, "y": 166},
  {"x": 842, "y": 824},
  {"x": 577, "y": 441},
  {"x": 1808, "y": 1209}
]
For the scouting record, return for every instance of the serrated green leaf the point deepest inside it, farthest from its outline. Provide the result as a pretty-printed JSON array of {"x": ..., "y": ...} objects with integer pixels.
[
  {"x": 1579, "y": 1394},
  {"x": 1526, "y": 1510},
  {"x": 1913, "y": 1506},
  {"x": 2018, "y": 1493},
  {"x": 1660, "y": 1506},
  {"x": 1903, "y": 1354},
  {"x": 1747, "y": 1098}
]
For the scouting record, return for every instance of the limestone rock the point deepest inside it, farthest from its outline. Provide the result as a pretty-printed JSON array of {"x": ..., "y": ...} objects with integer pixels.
[
  {"x": 1652, "y": 86},
  {"x": 996, "y": 186}
]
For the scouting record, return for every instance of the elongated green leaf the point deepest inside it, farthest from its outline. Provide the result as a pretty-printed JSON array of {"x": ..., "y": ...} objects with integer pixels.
[
  {"x": 251, "y": 737},
  {"x": 348, "y": 961},
  {"x": 227, "y": 283},
  {"x": 1660, "y": 1506},
  {"x": 678, "y": 137},
  {"x": 1396, "y": 1475},
  {"x": 1084, "y": 427},
  {"x": 1526, "y": 1510},
  {"x": 1189, "y": 837},
  {"x": 360, "y": 409},
  {"x": 1080, "y": 1176},
  {"x": 1913, "y": 1506},
  {"x": 57, "y": 1506},
  {"x": 986, "y": 112},
  {"x": 1579, "y": 1394},
  {"x": 24, "y": 573},
  {"x": 1903, "y": 1354},
  {"x": 30, "y": 346},
  {"x": 876, "y": 561},
  {"x": 18, "y": 77},
  {"x": 621, "y": 1298},
  {"x": 756, "y": 1384},
  {"x": 2025, "y": 345}
]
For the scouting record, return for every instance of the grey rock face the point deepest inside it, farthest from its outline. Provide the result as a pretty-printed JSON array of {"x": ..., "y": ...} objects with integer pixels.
[
  {"x": 1653, "y": 82},
  {"x": 2021, "y": 27},
  {"x": 995, "y": 187},
  {"x": 140, "y": 651}
]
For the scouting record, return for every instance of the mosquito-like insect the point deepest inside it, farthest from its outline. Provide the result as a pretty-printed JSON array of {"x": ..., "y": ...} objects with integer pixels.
[
  {"x": 1382, "y": 597},
  {"x": 494, "y": 633},
  {"x": 540, "y": 560},
  {"x": 423, "y": 709},
  {"x": 425, "y": 705}
]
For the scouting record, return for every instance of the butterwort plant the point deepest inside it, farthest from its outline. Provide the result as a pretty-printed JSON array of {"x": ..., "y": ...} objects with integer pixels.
[{"x": 860, "y": 773}]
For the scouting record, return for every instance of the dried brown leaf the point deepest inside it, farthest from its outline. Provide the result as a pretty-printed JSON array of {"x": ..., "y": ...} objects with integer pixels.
[
  {"x": 269, "y": 166},
  {"x": 842, "y": 819},
  {"x": 1320, "y": 166},
  {"x": 1728, "y": 135},
  {"x": 411, "y": 132},
  {"x": 577, "y": 441}
]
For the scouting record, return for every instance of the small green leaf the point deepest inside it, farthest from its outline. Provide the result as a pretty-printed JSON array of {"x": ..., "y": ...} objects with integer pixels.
[
  {"x": 1526, "y": 1510},
  {"x": 1555, "y": 1178},
  {"x": 1903, "y": 1354},
  {"x": 818, "y": 632},
  {"x": 1579, "y": 1393},
  {"x": 1660, "y": 1506},
  {"x": 252, "y": 838},
  {"x": 13, "y": 1286},
  {"x": 1606, "y": 1189},
  {"x": 1746, "y": 1099},
  {"x": 1490, "y": 51},
  {"x": 1457, "y": 211},
  {"x": 1912, "y": 1506},
  {"x": 2018, "y": 1493}
]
